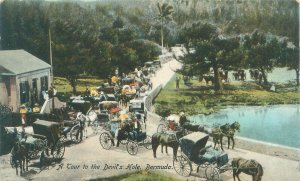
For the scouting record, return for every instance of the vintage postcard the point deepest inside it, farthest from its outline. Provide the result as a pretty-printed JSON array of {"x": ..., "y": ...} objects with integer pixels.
[{"x": 149, "y": 90}]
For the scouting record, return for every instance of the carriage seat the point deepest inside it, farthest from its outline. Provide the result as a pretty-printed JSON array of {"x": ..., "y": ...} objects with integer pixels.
[
  {"x": 67, "y": 129},
  {"x": 140, "y": 136},
  {"x": 212, "y": 155}
]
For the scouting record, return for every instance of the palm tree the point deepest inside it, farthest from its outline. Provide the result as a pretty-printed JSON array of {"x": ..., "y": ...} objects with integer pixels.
[{"x": 165, "y": 12}]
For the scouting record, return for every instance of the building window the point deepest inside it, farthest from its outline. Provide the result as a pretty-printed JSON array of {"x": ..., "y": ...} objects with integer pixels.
[
  {"x": 7, "y": 85},
  {"x": 34, "y": 93},
  {"x": 44, "y": 83},
  {"x": 24, "y": 92}
]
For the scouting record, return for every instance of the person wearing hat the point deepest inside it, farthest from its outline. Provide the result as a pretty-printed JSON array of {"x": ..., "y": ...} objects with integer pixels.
[
  {"x": 103, "y": 97},
  {"x": 36, "y": 108},
  {"x": 183, "y": 121},
  {"x": 23, "y": 112}
]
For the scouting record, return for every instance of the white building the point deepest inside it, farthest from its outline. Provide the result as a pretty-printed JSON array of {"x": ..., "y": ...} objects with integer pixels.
[{"x": 22, "y": 78}]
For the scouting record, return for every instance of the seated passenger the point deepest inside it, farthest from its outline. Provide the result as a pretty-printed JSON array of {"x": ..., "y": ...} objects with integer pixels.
[{"x": 136, "y": 129}]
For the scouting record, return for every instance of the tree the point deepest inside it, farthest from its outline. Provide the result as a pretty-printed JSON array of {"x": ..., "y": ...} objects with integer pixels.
[
  {"x": 262, "y": 52},
  {"x": 164, "y": 15},
  {"x": 211, "y": 51},
  {"x": 290, "y": 58}
]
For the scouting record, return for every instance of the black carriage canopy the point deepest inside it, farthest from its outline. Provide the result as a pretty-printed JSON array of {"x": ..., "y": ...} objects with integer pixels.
[
  {"x": 48, "y": 129},
  {"x": 193, "y": 146}
]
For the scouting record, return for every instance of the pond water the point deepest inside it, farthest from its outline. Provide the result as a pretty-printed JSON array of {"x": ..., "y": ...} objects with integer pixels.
[{"x": 279, "y": 124}]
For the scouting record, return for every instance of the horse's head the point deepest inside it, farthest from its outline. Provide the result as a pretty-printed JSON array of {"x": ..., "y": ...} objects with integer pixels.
[
  {"x": 236, "y": 126},
  {"x": 225, "y": 127}
]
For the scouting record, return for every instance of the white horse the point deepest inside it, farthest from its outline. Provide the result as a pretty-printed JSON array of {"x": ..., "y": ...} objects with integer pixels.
[{"x": 89, "y": 118}]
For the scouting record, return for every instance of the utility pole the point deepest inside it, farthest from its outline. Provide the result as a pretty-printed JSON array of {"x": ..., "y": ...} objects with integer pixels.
[
  {"x": 50, "y": 45},
  {"x": 51, "y": 72}
]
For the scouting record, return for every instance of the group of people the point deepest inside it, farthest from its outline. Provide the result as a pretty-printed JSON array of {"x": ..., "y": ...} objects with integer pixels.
[
  {"x": 24, "y": 109},
  {"x": 128, "y": 128}
]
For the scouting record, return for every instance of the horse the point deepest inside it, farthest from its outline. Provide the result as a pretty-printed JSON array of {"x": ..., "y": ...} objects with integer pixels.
[
  {"x": 166, "y": 139},
  {"x": 225, "y": 130},
  {"x": 229, "y": 132},
  {"x": 209, "y": 78},
  {"x": 19, "y": 153},
  {"x": 218, "y": 134},
  {"x": 249, "y": 167}
]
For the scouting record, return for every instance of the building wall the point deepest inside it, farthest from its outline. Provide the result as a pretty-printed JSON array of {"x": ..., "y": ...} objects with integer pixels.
[
  {"x": 15, "y": 98},
  {"x": 3, "y": 92}
]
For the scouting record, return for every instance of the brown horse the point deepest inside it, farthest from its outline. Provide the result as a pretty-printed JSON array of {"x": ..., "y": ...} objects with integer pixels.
[
  {"x": 19, "y": 157},
  {"x": 218, "y": 134},
  {"x": 227, "y": 130},
  {"x": 249, "y": 167},
  {"x": 167, "y": 140}
]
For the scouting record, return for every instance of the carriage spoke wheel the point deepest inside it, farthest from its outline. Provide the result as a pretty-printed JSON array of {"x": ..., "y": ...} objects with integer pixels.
[
  {"x": 59, "y": 149},
  {"x": 212, "y": 173},
  {"x": 105, "y": 141},
  {"x": 132, "y": 147},
  {"x": 75, "y": 134},
  {"x": 182, "y": 166},
  {"x": 161, "y": 128},
  {"x": 148, "y": 142}
]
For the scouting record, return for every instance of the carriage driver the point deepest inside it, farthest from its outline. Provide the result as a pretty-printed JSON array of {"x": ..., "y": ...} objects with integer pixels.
[
  {"x": 136, "y": 128},
  {"x": 183, "y": 121}
]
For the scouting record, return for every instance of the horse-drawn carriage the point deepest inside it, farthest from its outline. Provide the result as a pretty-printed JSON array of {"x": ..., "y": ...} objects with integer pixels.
[
  {"x": 125, "y": 135},
  {"x": 44, "y": 142},
  {"x": 195, "y": 152}
]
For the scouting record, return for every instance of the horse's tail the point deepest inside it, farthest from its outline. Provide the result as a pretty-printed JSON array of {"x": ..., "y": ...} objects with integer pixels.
[{"x": 260, "y": 170}]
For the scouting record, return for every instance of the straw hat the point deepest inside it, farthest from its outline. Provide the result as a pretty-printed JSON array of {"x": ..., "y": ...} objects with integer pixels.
[{"x": 181, "y": 113}]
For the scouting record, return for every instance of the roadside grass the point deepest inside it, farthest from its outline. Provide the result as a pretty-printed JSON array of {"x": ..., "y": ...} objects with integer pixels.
[
  {"x": 140, "y": 176},
  {"x": 197, "y": 98}
]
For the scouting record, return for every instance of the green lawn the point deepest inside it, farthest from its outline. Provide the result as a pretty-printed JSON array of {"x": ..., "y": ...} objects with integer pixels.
[
  {"x": 198, "y": 98},
  {"x": 64, "y": 89}
]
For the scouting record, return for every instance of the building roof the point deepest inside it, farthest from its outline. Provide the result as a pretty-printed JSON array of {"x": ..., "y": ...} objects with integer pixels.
[{"x": 14, "y": 62}]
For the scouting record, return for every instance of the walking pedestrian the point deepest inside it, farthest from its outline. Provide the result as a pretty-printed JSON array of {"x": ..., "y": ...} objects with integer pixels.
[{"x": 177, "y": 82}]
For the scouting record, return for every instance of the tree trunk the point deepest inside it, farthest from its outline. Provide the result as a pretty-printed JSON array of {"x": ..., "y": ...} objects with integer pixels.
[
  {"x": 73, "y": 83},
  {"x": 74, "y": 89},
  {"x": 218, "y": 81},
  {"x": 264, "y": 75}
]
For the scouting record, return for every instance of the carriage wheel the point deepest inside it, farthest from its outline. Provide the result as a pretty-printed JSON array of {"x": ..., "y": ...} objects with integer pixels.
[
  {"x": 105, "y": 141},
  {"x": 161, "y": 128},
  {"x": 212, "y": 173},
  {"x": 75, "y": 134},
  {"x": 148, "y": 142},
  {"x": 132, "y": 147},
  {"x": 59, "y": 149},
  {"x": 182, "y": 166},
  {"x": 95, "y": 127}
]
